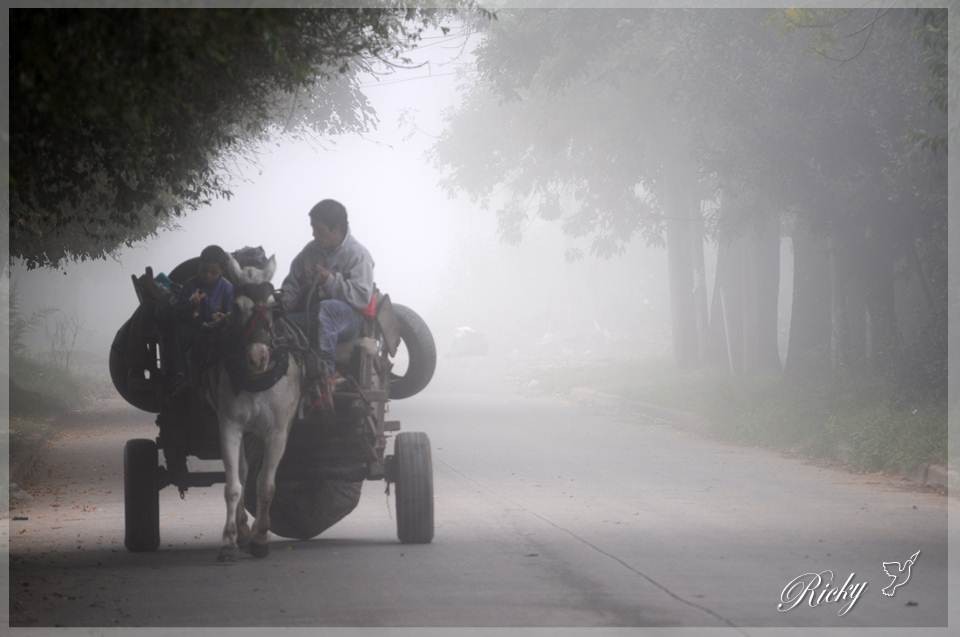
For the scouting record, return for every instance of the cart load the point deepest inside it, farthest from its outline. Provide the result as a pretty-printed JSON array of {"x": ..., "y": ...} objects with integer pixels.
[{"x": 320, "y": 477}]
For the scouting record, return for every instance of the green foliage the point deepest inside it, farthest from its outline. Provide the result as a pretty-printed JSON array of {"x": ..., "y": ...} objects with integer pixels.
[
  {"x": 21, "y": 325},
  {"x": 123, "y": 119},
  {"x": 843, "y": 34},
  {"x": 577, "y": 110},
  {"x": 553, "y": 129},
  {"x": 868, "y": 427},
  {"x": 41, "y": 389},
  {"x": 861, "y": 426},
  {"x": 823, "y": 118},
  {"x": 931, "y": 30}
]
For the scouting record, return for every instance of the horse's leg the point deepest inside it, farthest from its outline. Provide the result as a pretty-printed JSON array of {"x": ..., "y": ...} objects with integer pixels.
[
  {"x": 230, "y": 438},
  {"x": 273, "y": 448},
  {"x": 243, "y": 529}
]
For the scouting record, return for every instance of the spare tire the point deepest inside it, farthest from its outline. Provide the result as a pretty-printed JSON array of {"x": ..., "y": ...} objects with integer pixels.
[
  {"x": 301, "y": 509},
  {"x": 302, "y": 512},
  {"x": 185, "y": 270},
  {"x": 124, "y": 359},
  {"x": 421, "y": 350}
]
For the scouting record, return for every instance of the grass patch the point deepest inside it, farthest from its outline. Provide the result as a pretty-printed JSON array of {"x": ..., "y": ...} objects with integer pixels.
[
  {"x": 41, "y": 390},
  {"x": 865, "y": 426}
]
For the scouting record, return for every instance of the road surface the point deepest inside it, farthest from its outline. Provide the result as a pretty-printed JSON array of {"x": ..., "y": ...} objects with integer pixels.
[{"x": 548, "y": 514}]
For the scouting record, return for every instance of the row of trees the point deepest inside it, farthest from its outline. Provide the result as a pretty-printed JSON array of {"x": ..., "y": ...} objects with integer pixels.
[
  {"x": 61, "y": 329},
  {"x": 737, "y": 127},
  {"x": 122, "y": 120}
]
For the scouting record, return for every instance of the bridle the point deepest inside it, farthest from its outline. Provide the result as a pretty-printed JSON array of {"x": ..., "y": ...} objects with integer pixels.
[
  {"x": 259, "y": 321},
  {"x": 259, "y": 326}
]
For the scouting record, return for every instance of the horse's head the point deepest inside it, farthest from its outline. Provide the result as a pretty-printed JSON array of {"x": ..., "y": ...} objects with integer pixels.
[
  {"x": 253, "y": 323},
  {"x": 252, "y": 316},
  {"x": 245, "y": 275}
]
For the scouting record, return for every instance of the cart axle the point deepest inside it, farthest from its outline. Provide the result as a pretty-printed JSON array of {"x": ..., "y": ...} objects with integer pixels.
[{"x": 191, "y": 479}]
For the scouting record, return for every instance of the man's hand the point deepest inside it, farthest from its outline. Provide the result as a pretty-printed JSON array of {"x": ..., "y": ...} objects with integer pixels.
[
  {"x": 197, "y": 297},
  {"x": 215, "y": 319},
  {"x": 322, "y": 274}
]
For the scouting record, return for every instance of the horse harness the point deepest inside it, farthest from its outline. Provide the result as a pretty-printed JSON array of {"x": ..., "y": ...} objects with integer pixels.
[{"x": 266, "y": 325}]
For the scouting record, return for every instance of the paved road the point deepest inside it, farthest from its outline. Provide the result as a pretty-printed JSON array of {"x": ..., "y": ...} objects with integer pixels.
[{"x": 547, "y": 514}]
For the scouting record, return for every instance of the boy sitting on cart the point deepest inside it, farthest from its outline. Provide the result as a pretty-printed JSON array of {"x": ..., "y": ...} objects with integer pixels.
[{"x": 204, "y": 302}]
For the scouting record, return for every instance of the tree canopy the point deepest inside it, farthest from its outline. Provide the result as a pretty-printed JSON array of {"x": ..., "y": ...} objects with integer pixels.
[
  {"x": 588, "y": 108},
  {"x": 122, "y": 120},
  {"x": 620, "y": 122}
]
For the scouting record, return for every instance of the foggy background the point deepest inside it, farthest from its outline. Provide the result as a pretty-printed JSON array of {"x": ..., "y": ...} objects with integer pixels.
[
  {"x": 437, "y": 254},
  {"x": 686, "y": 271},
  {"x": 558, "y": 237}
]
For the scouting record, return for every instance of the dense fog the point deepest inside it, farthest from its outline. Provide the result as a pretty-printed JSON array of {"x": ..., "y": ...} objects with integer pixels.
[
  {"x": 437, "y": 253},
  {"x": 644, "y": 191},
  {"x": 685, "y": 270}
]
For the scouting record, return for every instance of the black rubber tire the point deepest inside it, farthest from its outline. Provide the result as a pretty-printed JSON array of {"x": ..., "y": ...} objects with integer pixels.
[
  {"x": 421, "y": 350},
  {"x": 185, "y": 270},
  {"x": 299, "y": 511},
  {"x": 413, "y": 477},
  {"x": 120, "y": 367},
  {"x": 141, "y": 496},
  {"x": 303, "y": 513},
  {"x": 188, "y": 268}
]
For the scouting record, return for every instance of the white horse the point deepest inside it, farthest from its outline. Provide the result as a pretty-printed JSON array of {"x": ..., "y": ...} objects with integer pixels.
[{"x": 267, "y": 413}]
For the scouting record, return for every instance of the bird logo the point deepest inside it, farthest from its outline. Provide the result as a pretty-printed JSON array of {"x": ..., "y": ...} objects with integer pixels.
[{"x": 899, "y": 573}]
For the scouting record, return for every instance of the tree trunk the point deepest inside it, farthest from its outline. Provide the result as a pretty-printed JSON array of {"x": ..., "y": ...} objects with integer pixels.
[
  {"x": 699, "y": 278},
  {"x": 718, "y": 350},
  {"x": 808, "y": 352},
  {"x": 884, "y": 333},
  {"x": 746, "y": 295},
  {"x": 848, "y": 310},
  {"x": 732, "y": 301},
  {"x": 687, "y": 292},
  {"x": 765, "y": 275}
]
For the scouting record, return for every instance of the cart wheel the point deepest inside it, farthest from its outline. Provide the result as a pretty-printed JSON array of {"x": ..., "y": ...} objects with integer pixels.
[
  {"x": 141, "y": 496},
  {"x": 413, "y": 475}
]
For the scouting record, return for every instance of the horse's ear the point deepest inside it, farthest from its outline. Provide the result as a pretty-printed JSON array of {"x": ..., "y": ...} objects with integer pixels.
[
  {"x": 271, "y": 268},
  {"x": 234, "y": 273}
]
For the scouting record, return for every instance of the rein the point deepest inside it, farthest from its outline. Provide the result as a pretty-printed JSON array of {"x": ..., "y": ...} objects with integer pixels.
[
  {"x": 259, "y": 322},
  {"x": 259, "y": 318}
]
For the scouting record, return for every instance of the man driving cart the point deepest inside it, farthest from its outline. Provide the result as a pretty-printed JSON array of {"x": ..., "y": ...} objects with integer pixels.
[
  {"x": 338, "y": 271},
  {"x": 330, "y": 292}
]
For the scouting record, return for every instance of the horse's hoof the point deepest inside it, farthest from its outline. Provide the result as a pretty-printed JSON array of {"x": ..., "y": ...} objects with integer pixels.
[
  {"x": 259, "y": 550},
  {"x": 227, "y": 554}
]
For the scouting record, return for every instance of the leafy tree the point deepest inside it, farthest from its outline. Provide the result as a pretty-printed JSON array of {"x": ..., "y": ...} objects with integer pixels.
[
  {"x": 601, "y": 119},
  {"x": 887, "y": 136},
  {"x": 19, "y": 324},
  {"x": 122, "y": 120},
  {"x": 618, "y": 122}
]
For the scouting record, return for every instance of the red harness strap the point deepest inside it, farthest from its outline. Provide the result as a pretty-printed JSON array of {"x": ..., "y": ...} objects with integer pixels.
[
  {"x": 259, "y": 316},
  {"x": 371, "y": 310}
]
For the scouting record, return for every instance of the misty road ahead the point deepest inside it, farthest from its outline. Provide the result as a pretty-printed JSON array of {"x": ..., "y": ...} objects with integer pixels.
[{"x": 548, "y": 513}]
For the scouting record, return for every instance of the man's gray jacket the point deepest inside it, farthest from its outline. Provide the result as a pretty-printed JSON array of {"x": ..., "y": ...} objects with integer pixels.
[{"x": 351, "y": 281}]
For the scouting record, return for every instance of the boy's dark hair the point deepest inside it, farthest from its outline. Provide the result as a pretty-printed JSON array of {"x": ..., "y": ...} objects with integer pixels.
[
  {"x": 214, "y": 254},
  {"x": 330, "y": 213}
]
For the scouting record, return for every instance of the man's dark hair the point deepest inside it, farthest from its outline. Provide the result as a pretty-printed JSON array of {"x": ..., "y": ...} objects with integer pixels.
[
  {"x": 214, "y": 254},
  {"x": 330, "y": 213}
]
